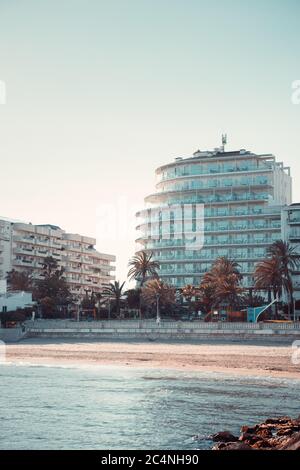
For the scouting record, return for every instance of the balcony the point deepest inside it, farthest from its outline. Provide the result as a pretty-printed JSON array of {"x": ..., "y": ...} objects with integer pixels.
[
  {"x": 217, "y": 171},
  {"x": 56, "y": 244},
  {"x": 73, "y": 257},
  {"x": 84, "y": 271},
  {"x": 72, "y": 280},
  {"x": 24, "y": 239},
  {"x": 23, "y": 251},
  {"x": 24, "y": 262},
  {"x": 70, "y": 269},
  {"x": 42, "y": 253},
  {"x": 294, "y": 221}
]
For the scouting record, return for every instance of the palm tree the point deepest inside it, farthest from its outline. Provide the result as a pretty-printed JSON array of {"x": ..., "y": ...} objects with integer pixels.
[
  {"x": 289, "y": 261},
  {"x": 157, "y": 292},
  {"x": 268, "y": 274},
  {"x": 114, "y": 291},
  {"x": 142, "y": 267},
  {"x": 188, "y": 292},
  {"x": 250, "y": 300},
  {"x": 222, "y": 283},
  {"x": 206, "y": 296}
]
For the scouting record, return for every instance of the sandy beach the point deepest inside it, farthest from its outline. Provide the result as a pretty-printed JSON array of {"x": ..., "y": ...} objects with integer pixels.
[{"x": 263, "y": 359}]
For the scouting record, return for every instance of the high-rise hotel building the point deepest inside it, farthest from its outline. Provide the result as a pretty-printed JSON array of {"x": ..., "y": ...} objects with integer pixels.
[
  {"x": 241, "y": 195},
  {"x": 24, "y": 247}
]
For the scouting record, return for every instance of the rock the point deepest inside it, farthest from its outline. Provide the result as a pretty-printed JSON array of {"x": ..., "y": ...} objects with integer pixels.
[
  {"x": 285, "y": 432},
  {"x": 262, "y": 444},
  {"x": 232, "y": 446},
  {"x": 248, "y": 429},
  {"x": 281, "y": 433},
  {"x": 281, "y": 420},
  {"x": 264, "y": 432},
  {"x": 224, "y": 436},
  {"x": 291, "y": 443},
  {"x": 249, "y": 438},
  {"x": 219, "y": 446}
]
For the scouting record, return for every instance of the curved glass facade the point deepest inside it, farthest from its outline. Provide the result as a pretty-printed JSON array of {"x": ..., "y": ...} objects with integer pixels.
[{"x": 200, "y": 212}]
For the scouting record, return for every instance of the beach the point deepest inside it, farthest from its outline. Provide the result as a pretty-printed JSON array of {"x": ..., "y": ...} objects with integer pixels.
[{"x": 232, "y": 357}]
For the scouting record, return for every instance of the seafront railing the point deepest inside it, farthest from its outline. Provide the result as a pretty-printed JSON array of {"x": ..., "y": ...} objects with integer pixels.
[{"x": 41, "y": 324}]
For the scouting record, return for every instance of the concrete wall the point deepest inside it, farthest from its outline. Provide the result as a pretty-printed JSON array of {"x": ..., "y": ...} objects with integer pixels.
[
  {"x": 167, "y": 330},
  {"x": 12, "y": 335}
]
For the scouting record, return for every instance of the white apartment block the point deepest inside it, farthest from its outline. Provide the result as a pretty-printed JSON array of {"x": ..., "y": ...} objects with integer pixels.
[{"x": 25, "y": 246}]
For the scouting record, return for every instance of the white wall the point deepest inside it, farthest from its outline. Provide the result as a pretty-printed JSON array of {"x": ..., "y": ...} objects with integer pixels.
[{"x": 12, "y": 301}]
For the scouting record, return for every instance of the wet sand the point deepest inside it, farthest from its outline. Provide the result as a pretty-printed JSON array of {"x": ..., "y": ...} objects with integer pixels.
[{"x": 262, "y": 359}]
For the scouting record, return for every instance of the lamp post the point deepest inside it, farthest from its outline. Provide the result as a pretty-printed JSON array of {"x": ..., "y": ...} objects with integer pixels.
[
  {"x": 109, "y": 308},
  {"x": 157, "y": 309}
]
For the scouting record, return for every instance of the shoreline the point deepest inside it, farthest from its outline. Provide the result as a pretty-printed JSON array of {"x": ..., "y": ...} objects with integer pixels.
[{"x": 227, "y": 357}]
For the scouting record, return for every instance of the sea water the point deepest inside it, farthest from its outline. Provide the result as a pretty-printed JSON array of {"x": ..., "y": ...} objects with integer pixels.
[{"x": 52, "y": 407}]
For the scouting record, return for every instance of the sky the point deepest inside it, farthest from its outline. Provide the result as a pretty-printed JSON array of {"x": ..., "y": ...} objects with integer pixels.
[{"x": 100, "y": 93}]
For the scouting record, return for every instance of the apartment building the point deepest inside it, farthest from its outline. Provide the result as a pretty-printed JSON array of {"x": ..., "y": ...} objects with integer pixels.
[
  {"x": 230, "y": 199},
  {"x": 291, "y": 234},
  {"x": 25, "y": 246}
]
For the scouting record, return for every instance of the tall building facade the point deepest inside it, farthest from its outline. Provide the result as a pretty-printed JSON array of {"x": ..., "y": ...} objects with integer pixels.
[
  {"x": 291, "y": 234},
  {"x": 231, "y": 201},
  {"x": 25, "y": 246}
]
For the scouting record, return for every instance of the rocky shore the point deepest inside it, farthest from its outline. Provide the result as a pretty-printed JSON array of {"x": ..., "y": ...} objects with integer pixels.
[{"x": 273, "y": 434}]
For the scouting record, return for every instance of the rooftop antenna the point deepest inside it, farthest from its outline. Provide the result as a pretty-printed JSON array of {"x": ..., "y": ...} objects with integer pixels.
[{"x": 224, "y": 141}]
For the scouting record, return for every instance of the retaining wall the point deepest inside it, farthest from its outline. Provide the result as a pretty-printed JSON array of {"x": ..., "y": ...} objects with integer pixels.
[
  {"x": 12, "y": 335},
  {"x": 166, "y": 330}
]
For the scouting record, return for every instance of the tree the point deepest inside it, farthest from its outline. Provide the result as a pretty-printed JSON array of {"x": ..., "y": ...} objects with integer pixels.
[
  {"x": 289, "y": 261},
  {"x": 89, "y": 301},
  {"x": 142, "y": 267},
  {"x": 52, "y": 286},
  {"x": 156, "y": 291},
  {"x": 268, "y": 274},
  {"x": 221, "y": 284},
  {"x": 189, "y": 292},
  {"x": 114, "y": 291},
  {"x": 250, "y": 300},
  {"x": 133, "y": 298},
  {"x": 205, "y": 297},
  {"x": 19, "y": 280}
]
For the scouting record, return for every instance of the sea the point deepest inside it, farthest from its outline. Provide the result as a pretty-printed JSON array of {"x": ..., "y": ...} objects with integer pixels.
[{"x": 105, "y": 407}]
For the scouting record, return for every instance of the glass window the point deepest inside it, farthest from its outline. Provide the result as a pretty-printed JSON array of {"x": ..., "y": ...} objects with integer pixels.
[{"x": 229, "y": 166}]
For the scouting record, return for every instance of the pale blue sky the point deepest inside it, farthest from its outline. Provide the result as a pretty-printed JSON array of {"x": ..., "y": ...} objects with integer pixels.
[{"x": 100, "y": 93}]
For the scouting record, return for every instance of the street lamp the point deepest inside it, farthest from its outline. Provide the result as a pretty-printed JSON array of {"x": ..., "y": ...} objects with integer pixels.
[{"x": 157, "y": 309}]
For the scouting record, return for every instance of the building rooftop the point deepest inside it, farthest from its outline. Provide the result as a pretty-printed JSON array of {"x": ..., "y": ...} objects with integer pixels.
[
  {"x": 52, "y": 227},
  {"x": 219, "y": 153}
]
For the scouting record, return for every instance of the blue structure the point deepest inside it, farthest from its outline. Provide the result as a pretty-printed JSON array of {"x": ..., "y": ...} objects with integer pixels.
[{"x": 253, "y": 313}]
